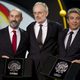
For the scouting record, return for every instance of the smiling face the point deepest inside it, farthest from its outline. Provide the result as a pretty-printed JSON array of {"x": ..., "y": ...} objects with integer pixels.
[
  {"x": 40, "y": 13},
  {"x": 74, "y": 21},
  {"x": 15, "y": 17}
]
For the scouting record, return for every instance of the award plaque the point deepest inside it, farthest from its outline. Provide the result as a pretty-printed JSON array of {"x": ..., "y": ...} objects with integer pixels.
[
  {"x": 60, "y": 69},
  {"x": 14, "y": 67}
]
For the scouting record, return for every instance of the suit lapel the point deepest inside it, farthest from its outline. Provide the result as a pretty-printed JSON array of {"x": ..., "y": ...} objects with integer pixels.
[
  {"x": 32, "y": 34},
  {"x": 48, "y": 33},
  {"x": 8, "y": 41},
  {"x": 21, "y": 39},
  {"x": 63, "y": 38},
  {"x": 76, "y": 42}
]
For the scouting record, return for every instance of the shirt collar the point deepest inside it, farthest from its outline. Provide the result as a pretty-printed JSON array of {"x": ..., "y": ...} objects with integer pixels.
[
  {"x": 75, "y": 31},
  {"x": 11, "y": 29},
  {"x": 44, "y": 23}
]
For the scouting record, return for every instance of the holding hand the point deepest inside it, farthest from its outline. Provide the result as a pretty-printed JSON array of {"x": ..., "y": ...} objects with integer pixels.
[{"x": 4, "y": 56}]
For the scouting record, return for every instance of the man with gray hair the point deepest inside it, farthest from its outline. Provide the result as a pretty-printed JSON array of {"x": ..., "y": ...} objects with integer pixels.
[
  {"x": 12, "y": 39},
  {"x": 43, "y": 36},
  {"x": 75, "y": 10},
  {"x": 69, "y": 39}
]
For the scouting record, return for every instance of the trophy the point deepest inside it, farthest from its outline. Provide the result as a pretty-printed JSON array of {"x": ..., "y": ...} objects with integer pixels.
[
  {"x": 60, "y": 69},
  {"x": 14, "y": 67}
]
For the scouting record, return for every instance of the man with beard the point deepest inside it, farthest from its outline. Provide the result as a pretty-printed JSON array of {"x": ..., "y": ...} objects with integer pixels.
[{"x": 12, "y": 39}]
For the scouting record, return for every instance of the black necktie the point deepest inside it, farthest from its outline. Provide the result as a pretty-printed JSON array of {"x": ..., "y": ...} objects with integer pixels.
[
  {"x": 39, "y": 38},
  {"x": 69, "y": 41}
]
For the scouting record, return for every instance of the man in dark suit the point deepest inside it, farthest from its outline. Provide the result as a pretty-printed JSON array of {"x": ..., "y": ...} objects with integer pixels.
[
  {"x": 43, "y": 35},
  {"x": 71, "y": 51},
  {"x": 69, "y": 46},
  {"x": 6, "y": 37},
  {"x": 12, "y": 38}
]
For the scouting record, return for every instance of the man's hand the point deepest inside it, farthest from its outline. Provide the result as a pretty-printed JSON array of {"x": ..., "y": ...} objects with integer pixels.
[
  {"x": 76, "y": 61},
  {"x": 4, "y": 56}
]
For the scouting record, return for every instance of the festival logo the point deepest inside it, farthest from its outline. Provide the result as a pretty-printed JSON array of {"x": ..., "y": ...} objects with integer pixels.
[{"x": 5, "y": 7}]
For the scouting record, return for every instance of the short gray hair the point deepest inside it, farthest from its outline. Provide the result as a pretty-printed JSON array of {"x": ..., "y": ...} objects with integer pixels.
[
  {"x": 73, "y": 10},
  {"x": 43, "y": 4},
  {"x": 18, "y": 10}
]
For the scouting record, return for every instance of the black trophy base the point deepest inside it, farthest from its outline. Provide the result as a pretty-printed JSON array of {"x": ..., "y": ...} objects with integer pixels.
[
  {"x": 14, "y": 67},
  {"x": 49, "y": 72},
  {"x": 60, "y": 69},
  {"x": 9, "y": 67}
]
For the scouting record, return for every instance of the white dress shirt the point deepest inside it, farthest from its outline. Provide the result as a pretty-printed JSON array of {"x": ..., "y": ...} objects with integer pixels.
[
  {"x": 44, "y": 30},
  {"x": 17, "y": 34},
  {"x": 73, "y": 36}
]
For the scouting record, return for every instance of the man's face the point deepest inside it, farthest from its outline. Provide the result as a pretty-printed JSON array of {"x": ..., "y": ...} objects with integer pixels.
[
  {"x": 74, "y": 21},
  {"x": 40, "y": 14},
  {"x": 15, "y": 19}
]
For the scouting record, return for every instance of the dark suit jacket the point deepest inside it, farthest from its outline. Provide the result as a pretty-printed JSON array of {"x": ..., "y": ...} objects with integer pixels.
[
  {"x": 6, "y": 49},
  {"x": 49, "y": 47},
  {"x": 74, "y": 51},
  {"x": 5, "y": 44}
]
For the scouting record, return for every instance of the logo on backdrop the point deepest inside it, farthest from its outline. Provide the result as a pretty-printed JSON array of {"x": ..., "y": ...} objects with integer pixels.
[{"x": 5, "y": 7}]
